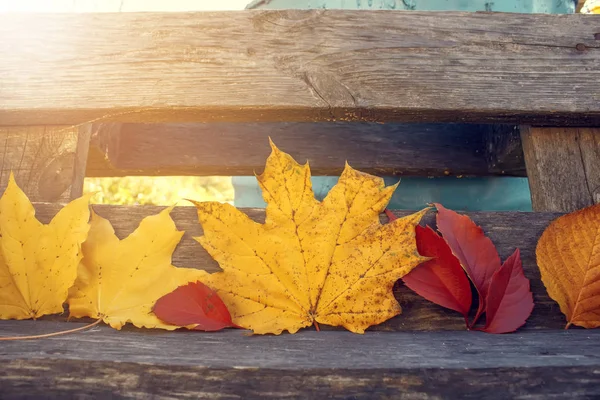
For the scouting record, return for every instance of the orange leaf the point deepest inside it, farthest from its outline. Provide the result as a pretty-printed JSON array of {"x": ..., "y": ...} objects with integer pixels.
[{"x": 568, "y": 254}]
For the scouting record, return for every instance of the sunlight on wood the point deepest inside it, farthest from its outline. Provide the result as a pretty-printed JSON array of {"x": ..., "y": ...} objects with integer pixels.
[
  {"x": 119, "y": 5},
  {"x": 161, "y": 191}
]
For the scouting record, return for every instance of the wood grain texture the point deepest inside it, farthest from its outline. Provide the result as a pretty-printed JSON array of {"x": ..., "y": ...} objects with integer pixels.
[
  {"x": 563, "y": 165},
  {"x": 241, "y": 148},
  {"x": 508, "y": 230},
  {"x": 52, "y": 379},
  {"x": 307, "y": 349},
  {"x": 300, "y": 65},
  {"x": 48, "y": 162},
  {"x": 503, "y": 150},
  {"x": 104, "y": 363}
]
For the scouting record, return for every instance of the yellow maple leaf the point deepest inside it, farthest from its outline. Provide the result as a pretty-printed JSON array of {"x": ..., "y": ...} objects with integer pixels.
[
  {"x": 120, "y": 280},
  {"x": 568, "y": 255},
  {"x": 331, "y": 262},
  {"x": 38, "y": 262}
]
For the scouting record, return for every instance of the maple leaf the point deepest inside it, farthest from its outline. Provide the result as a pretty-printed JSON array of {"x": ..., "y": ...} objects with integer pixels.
[
  {"x": 329, "y": 262},
  {"x": 38, "y": 262},
  {"x": 509, "y": 299},
  {"x": 195, "y": 306},
  {"x": 119, "y": 281},
  {"x": 568, "y": 255}
]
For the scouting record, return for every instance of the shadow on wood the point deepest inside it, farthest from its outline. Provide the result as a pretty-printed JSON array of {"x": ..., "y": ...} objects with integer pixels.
[{"x": 241, "y": 149}]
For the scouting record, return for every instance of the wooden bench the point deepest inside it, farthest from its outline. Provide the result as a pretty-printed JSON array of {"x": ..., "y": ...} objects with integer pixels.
[{"x": 199, "y": 93}]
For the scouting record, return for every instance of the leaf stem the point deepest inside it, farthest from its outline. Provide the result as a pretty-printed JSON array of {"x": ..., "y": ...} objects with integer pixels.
[
  {"x": 317, "y": 326},
  {"x": 53, "y": 333}
]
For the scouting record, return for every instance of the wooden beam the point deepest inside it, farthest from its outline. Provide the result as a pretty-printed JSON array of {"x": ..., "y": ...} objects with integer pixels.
[
  {"x": 299, "y": 65},
  {"x": 508, "y": 230},
  {"x": 563, "y": 165},
  {"x": 503, "y": 150},
  {"x": 48, "y": 162},
  {"x": 241, "y": 149},
  {"x": 105, "y": 363}
]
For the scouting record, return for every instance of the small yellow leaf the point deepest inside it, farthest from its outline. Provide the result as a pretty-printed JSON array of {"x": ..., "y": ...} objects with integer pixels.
[
  {"x": 38, "y": 262},
  {"x": 568, "y": 254},
  {"x": 331, "y": 262},
  {"x": 120, "y": 280}
]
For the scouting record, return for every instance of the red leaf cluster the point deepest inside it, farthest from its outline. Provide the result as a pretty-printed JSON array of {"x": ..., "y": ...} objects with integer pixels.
[
  {"x": 464, "y": 251},
  {"x": 194, "y": 304}
]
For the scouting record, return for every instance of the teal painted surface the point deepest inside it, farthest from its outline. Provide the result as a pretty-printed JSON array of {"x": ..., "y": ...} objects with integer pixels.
[
  {"x": 475, "y": 194},
  {"x": 469, "y": 194}
]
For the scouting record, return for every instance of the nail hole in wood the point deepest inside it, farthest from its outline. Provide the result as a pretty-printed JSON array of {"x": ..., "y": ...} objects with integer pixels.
[{"x": 581, "y": 47}]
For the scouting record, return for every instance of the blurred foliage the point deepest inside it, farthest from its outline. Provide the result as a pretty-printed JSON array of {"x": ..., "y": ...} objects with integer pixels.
[{"x": 162, "y": 190}]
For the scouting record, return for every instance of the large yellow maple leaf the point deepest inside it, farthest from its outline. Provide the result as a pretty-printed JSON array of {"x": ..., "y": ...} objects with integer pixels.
[
  {"x": 120, "y": 280},
  {"x": 568, "y": 255},
  {"x": 331, "y": 262},
  {"x": 38, "y": 262}
]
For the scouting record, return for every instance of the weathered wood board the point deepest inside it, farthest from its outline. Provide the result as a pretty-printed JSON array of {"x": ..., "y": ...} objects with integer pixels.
[
  {"x": 48, "y": 162},
  {"x": 299, "y": 65},
  {"x": 104, "y": 363},
  {"x": 563, "y": 165},
  {"x": 508, "y": 230},
  {"x": 241, "y": 148}
]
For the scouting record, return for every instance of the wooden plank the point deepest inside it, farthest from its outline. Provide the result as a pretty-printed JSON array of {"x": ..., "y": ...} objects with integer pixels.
[
  {"x": 299, "y": 65},
  {"x": 428, "y": 365},
  {"x": 452, "y": 350},
  {"x": 508, "y": 230},
  {"x": 241, "y": 149},
  {"x": 48, "y": 162},
  {"x": 563, "y": 165},
  {"x": 50, "y": 379},
  {"x": 503, "y": 150}
]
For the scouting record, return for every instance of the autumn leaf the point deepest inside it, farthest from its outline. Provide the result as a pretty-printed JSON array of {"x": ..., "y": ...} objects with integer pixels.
[
  {"x": 475, "y": 251},
  {"x": 330, "y": 262},
  {"x": 38, "y": 262},
  {"x": 509, "y": 300},
  {"x": 195, "y": 306},
  {"x": 568, "y": 255},
  {"x": 119, "y": 281},
  {"x": 440, "y": 280}
]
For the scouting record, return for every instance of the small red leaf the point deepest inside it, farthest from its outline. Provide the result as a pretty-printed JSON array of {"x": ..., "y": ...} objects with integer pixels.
[
  {"x": 390, "y": 215},
  {"x": 440, "y": 280},
  {"x": 509, "y": 299},
  {"x": 194, "y": 304},
  {"x": 475, "y": 251}
]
